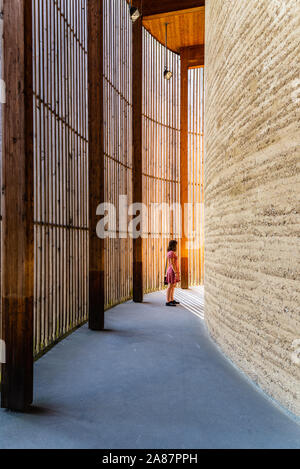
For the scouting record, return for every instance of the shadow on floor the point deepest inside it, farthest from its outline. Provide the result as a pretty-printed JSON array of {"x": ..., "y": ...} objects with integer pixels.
[{"x": 153, "y": 379}]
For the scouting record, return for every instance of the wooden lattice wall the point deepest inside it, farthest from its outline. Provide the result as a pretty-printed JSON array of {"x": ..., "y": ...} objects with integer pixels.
[
  {"x": 61, "y": 160},
  {"x": 196, "y": 174},
  {"x": 161, "y": 156},
  {"x": 60, "y": 168},
  {"x": 117, "y": 144}
]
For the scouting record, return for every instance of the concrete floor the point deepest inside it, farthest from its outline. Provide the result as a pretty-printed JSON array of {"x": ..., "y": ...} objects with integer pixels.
[{"x": 154, "y": 379}]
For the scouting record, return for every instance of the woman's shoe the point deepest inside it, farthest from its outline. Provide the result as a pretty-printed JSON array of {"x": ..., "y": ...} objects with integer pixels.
[
  {"x": 175, "y": 302},
  {"x": 170, "y": 304}
]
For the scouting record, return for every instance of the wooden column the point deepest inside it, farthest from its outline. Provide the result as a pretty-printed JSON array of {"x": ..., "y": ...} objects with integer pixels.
[
  {"x": 184, "y": 165},
  {"x": 137, "y": 94},
  {"x": 18, "y": 234},
  {"x": 96, "y": 162}
]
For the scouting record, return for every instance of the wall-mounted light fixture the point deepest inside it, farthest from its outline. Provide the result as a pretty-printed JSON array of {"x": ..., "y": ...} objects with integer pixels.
[
  {"x": 134, "y": 12},
  {"x": 167, "y": 73}
]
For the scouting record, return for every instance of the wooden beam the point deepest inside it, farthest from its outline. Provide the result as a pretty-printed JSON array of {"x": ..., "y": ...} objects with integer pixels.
[
  {"x": 194, "y": 56},
  {"x": 96, "y": 161},
  {"x": 17, "y": 229},
  {"x": 169, "y": 15},
  {"x": 157, "y": 7},
  {"x": 184, "y": 165},
  {"x": 137, "y": 95}
]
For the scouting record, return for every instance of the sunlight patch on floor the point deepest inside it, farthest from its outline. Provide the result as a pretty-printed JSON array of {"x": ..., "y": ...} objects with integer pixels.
[{"x": 192, "y": 300}]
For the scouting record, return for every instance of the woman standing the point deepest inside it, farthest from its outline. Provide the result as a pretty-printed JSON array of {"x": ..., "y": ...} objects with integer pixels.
[{"x": 173, "y": 274}]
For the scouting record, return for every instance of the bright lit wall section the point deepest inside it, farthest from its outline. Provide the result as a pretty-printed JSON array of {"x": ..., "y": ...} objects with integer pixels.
[{"x": 196, "y": 175}]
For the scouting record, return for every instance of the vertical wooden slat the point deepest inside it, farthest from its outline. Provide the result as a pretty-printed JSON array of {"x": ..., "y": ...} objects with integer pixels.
[
  {"x": 18, "y": 235},
  {"x": 201, "y": 182},
  {"x": 137, "y": 178},
  {"x": 96, "y": 161},
  {"x": 1, "y": 147}
]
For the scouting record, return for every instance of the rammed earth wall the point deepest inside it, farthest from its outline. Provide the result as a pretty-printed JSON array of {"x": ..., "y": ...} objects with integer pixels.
[{"x": 252, "y": 199}]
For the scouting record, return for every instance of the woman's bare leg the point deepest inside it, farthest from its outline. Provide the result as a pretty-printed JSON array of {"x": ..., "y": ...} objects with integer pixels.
[
  {"x": 169, "y": 292},
  {"x": 172, "y": 292}
]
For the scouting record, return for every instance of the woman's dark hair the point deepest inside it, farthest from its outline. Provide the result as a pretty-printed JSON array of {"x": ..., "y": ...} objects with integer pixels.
[{"x": 172, "y": 246}]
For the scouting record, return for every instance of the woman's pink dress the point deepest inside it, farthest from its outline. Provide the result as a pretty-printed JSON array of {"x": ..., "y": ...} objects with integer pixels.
[{"x": 171, "y": 277}]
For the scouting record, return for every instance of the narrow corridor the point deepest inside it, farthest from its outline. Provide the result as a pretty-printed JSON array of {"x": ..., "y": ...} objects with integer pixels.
[{"x": 153, "y": 379}]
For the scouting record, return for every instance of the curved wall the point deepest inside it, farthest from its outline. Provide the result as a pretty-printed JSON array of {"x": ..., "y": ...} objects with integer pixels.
[
  {"x": 161, "y": 162},
  {"x": 252, "y": 276},
  {"x": 161, "y": 157}
]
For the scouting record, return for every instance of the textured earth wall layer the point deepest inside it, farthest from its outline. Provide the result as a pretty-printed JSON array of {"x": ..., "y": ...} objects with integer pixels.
[{"x": 252, "y": 189}]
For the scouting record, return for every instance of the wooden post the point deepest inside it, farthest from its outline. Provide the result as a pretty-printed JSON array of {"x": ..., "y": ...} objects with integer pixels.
[
  {"x": 184, "y": 166},
  {"x": 17, "y": 244},
  {"x": 96, "y": 162},
  {"x": 137, "y": 93}
]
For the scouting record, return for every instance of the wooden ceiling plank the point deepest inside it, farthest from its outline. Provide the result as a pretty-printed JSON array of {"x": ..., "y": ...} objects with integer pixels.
[
  {"x": 184, "y": 30},
  {"x": 155, "y": 7}
]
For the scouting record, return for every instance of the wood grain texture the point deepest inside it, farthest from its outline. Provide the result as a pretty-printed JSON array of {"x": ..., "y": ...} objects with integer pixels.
[
  {"x": 156, "y": 7},
  {"x": 137, "y": 168},
  {"x": 194, "y": 56},
  {"x": 185, "y": 28},
  {"x": 96, "y": 162},
  {"x": 1, "y": 152},
  {"x": 17, "y": 241},
  {"x": 252, "y": 187}
]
